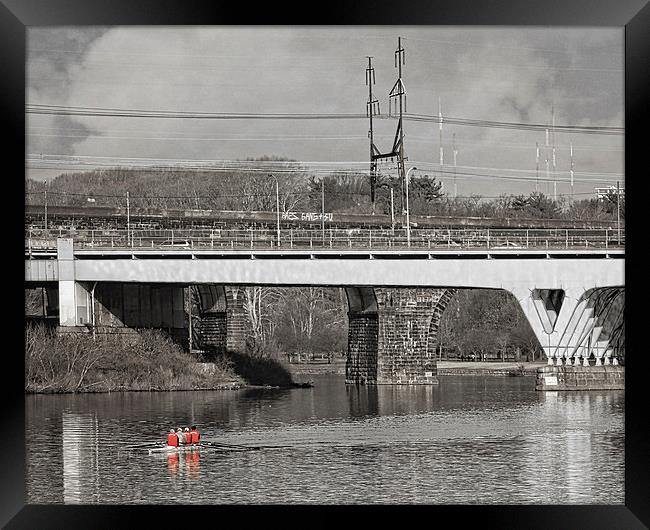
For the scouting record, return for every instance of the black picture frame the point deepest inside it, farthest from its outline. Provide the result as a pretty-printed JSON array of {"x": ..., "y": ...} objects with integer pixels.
[{"x": 633, "y": 15}]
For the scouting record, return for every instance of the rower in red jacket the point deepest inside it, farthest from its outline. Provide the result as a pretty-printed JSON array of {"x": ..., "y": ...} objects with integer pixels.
[
  {"x": 195, "y": 435},
  {"x": 187, "y": 436},
  {"x": 172, "y": 438}
]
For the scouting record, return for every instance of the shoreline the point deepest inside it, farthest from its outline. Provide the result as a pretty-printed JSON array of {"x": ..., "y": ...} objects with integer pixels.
[
  {"x": 470, "y": 368},
  {"x": 234, "y": 385},
  {"x": 455, "y": 368}
]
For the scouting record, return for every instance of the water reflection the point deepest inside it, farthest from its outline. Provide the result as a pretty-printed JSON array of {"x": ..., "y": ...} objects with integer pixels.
[
  {"x": 467, "y": 440},
  {"x": 80, "y": 448},
  {"x": 363, "y": 399},
  {"x": 173, "y": 464},
  {"x": 184, "y": 464}
]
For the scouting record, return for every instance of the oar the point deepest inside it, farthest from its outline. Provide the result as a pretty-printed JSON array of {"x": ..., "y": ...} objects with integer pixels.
[
  {"x": 145, "y": 445},
  {"x": 231, "y": 446}
]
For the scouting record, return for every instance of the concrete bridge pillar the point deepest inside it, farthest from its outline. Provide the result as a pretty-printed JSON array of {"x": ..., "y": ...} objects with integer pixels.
[
  {"x": 390, "y": 330},
  {"x": 68, "y": 289}
]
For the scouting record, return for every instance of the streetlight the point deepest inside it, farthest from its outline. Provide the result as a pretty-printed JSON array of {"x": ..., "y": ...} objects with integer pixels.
[
  {"x": 408, "y": 218},
  {"x": 277, "y": 205},
  {"x": 128, "y": 221},
  {"x": 45, "y": 204},
  {"x": 618, "y": 212}
]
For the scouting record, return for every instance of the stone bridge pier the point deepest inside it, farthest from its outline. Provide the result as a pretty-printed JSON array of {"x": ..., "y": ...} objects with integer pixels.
[
  {"x": 390, "y": 333},
  {"x": 222, "y": 324}
]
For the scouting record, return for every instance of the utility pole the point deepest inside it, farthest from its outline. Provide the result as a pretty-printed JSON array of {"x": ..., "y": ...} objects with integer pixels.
[
  {"x": 553, "y": 150},
  {"x": 548, "y": 171},
  {"x": 277, "y": 207},
  {"x": 571, "y": 170},
  {"x": 392, "y": 212},
  {"x": 618, "y": 212},
  {"x": 322, "y": 206},
  {"x": 453, "y": 139},
  {"x": 128, "y": 220},
  {"x": 408, "y": 220},
  {"x": 442, "y": 155},
  {"x": 536, "y": 166},
  {"x": 46, "y": 204}
]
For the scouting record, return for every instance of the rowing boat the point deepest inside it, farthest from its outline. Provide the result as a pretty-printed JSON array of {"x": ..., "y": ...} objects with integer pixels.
[
  {"x": 214, "y": 446},
  {"x": 180, "y": 448}
]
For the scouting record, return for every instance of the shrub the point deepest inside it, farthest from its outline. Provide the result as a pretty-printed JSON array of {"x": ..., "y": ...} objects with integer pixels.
[{"x": 134, "y": 360}]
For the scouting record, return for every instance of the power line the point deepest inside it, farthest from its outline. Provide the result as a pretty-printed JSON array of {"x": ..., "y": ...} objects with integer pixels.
[
  {"x": 311, "y": 193},
  {"x": 341, "y": 172},
  {"x": 210, "y": 67},
  {"x": 300, "y": 165},
  {"x": 108, "y": 133},
  {"x": 515, "y": 125},
  {"x": 165, "y": 114}
]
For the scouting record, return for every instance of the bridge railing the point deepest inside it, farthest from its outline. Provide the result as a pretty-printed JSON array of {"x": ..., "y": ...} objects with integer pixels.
[{"x": 330, "y": 238}]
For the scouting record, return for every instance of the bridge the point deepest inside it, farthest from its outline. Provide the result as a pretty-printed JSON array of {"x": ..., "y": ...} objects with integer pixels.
[{"x": 569, "y": 284}]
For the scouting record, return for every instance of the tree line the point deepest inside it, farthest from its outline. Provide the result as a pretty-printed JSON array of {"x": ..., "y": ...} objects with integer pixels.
[{"x": 298, "y": 190}]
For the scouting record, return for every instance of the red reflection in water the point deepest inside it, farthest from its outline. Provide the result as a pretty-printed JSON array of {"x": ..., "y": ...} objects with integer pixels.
[
  {"x": 173, "y": 463},
  {"x": 192, "y": 463}
]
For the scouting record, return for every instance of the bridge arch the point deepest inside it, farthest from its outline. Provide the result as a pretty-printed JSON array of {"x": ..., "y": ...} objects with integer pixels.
[
  {"x": 389, "y": 333},
  {"x": 578, "y": 324},
  {"x": 434, "y": 326},
  {"x": 211, "y": 298},
  {"x": 221, "y": 324}
]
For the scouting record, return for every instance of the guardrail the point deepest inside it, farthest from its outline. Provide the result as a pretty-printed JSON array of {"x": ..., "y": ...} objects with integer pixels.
[{"x": 331, "y": 238}]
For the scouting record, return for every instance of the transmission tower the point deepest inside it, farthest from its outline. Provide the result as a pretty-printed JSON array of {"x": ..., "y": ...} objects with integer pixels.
[
  {"x": 396, "y": 99},
  {"x": 372, "y": 109}
]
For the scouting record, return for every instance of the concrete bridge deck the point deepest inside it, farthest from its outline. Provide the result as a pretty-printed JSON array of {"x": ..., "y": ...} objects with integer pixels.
[{"x": 498, "y": 269}]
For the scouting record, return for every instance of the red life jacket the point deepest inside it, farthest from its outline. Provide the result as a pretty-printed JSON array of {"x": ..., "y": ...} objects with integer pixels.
[
  {"x": 172, "y": 439},
  {"x": 195, "y": 436},
  {"x": 188, "y": 437}
]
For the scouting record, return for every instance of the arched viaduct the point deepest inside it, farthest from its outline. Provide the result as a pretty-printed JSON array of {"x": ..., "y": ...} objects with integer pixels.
[{"x": 574, "y": 300}]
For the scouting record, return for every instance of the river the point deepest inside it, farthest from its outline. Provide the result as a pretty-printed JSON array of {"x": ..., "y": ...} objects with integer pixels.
[{"x": 469, "y": 440}]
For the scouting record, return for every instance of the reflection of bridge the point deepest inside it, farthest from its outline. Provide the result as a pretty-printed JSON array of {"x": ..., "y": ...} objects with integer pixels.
[{"x": 570, "y": 288}]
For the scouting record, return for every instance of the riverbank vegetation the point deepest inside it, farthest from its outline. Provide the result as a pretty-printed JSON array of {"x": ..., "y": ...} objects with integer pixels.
[{"x": 146, "y": 360}]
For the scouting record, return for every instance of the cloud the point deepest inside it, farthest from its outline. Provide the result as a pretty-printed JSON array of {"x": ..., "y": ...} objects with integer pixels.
[
  {"x": 53, "y": 61},
  {"x": 506, "y": 74}
]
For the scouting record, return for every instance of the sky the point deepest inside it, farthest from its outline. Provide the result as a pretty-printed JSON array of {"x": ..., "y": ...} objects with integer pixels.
[{"x": 504, "y": 74}]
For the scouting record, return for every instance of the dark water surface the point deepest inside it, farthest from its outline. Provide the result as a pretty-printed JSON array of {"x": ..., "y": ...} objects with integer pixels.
[{"x": 472, "y": 439}]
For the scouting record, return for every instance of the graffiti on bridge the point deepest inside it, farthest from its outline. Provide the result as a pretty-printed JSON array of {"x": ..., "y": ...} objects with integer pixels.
[{"x": 307, "y": 216}]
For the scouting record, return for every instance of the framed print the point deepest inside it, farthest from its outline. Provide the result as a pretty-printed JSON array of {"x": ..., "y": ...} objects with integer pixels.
[{"x": 375, "y": 257}]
